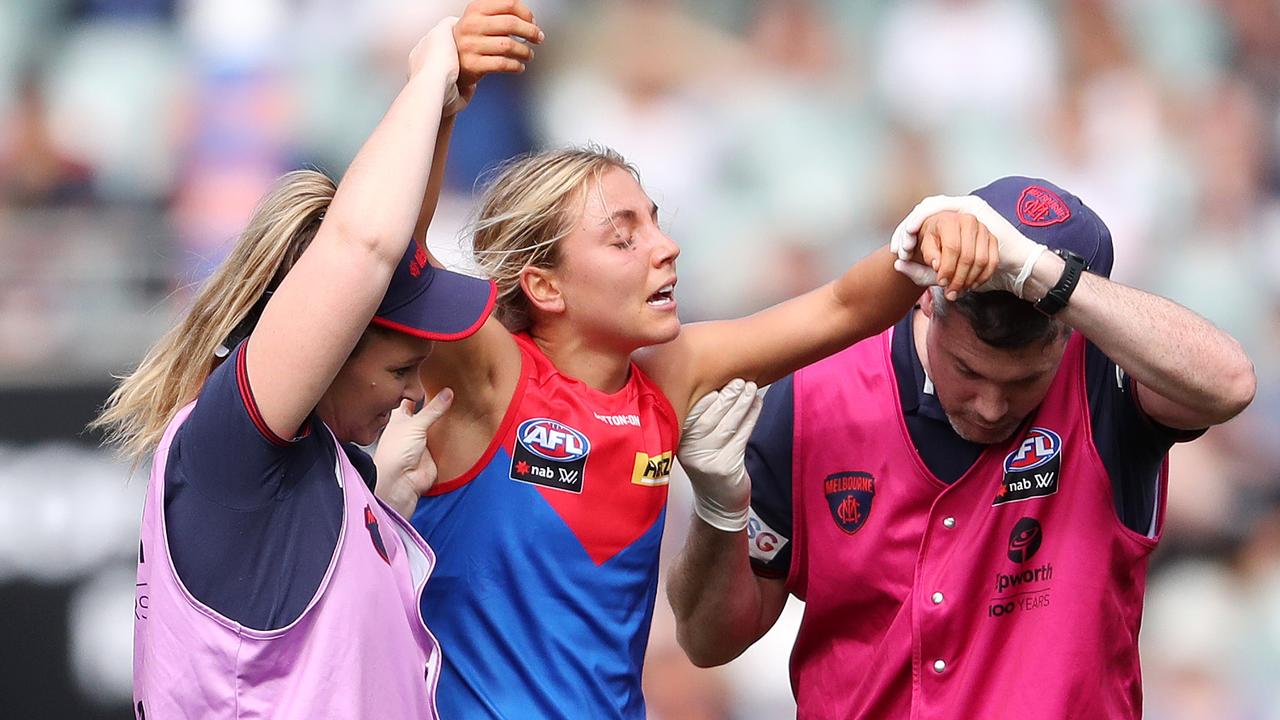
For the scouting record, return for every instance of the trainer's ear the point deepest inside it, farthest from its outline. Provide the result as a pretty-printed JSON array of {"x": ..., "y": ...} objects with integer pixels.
[{"x": 542, "y": 287}]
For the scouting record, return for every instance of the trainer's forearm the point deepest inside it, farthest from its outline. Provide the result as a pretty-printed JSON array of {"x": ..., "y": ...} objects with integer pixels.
[
  {"x": 380, "y": 193},
  {"x": 715, "y": 596},
  {"x": 1166, "y": 347}
]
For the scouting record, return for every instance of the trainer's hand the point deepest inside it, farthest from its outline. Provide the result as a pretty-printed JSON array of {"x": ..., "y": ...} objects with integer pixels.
[
  {"x": 1016, "y": 254},
  {"x": 711, "y": 453},
  {"x": 486, "y": 39},
  {"x": 406, "y": 470},
  {"x": 436, "y": 52}
]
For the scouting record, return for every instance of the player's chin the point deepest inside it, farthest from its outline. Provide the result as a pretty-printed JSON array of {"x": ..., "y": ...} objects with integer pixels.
[{"x": 663, "y": 329}]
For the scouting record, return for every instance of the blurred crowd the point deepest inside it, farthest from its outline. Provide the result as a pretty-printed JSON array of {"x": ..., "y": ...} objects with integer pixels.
[{"x": 781, "y": 139}]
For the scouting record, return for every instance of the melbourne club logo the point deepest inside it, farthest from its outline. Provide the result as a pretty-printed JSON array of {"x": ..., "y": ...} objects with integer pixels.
[
  {"x": 1032, "y": 469},
  {"x": 550, "y": 454},
  {"x": 849, "y": 494},
  {"x": 1039, "y": 207}
]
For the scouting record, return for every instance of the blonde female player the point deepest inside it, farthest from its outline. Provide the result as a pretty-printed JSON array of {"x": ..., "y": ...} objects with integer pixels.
[
  {"x": 271, "y": 582},
  {"x": 569, "y": 402}
]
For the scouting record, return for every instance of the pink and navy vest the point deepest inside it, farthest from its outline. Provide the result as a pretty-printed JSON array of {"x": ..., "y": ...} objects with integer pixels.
[
  {"x": 359, "y": 650},
  {"x": 549, "y": 551},
  {"x": 1015, "y": 592}
]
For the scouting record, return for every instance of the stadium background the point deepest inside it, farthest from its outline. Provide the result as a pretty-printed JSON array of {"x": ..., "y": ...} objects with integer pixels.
[{"x": 782, "y": 139}]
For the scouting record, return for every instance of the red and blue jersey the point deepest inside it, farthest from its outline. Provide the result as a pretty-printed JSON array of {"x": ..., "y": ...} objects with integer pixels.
[{"x": 548, "y": 551}]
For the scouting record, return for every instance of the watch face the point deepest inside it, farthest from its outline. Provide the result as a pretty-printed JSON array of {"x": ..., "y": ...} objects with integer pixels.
[{"x": 1068, "y": 255}]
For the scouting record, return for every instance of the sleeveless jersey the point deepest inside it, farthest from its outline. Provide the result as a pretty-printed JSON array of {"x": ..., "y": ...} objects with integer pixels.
[
  {"x": 359, "y": 650},
  {"x": 1014, "y": 592},
  {"x": 548, "y": 549}
]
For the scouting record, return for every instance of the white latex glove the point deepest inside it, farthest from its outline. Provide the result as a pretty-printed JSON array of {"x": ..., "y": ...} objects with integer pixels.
[
  {"x": 1018, "y": 253},
  {"x": 454, "y": 101},
  {"x": 711, "y": 453},
  {"x": 406, "y": 470}
]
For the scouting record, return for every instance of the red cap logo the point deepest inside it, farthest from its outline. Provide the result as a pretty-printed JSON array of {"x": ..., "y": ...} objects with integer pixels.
[
  {"x": 1039, "y": 207},
  {"x": 419, "y": 261}
]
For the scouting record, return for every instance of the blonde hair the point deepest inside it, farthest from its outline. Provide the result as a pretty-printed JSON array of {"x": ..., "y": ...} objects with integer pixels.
[
  {"x": 531, "y": 204},
  {"x": 171, "y": 375}
]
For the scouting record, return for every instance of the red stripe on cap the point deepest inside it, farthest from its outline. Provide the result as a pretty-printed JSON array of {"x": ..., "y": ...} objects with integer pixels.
[{"x": 428, "y": 335}]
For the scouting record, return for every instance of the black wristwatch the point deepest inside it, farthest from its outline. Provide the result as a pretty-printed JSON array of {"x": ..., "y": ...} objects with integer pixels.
[{"x": 1057, "y": 298}]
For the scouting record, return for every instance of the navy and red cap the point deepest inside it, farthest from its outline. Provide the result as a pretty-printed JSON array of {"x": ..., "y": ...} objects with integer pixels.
[
  {"x": 1052, "y": 217},
  {"x": 432, "y": 303}
]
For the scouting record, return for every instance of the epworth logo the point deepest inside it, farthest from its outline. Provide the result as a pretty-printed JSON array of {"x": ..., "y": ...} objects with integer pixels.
[
  {"x": 1032, "y": 470},
  {"x": 1025, "y": 539},
  {"x": 551, "y": 454}
]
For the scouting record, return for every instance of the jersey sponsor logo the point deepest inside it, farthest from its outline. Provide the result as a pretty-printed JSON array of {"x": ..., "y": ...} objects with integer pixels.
[
  {"x": 1040, "y": 207},
  {"x": 371, "y": 524},
  {"x": 1026, "y": 588},
  {"x": 618, "y": 420},
  {"x": 1020, "y": 591},
  {"x": 651, "y": 470},
  {"x": 1032, "y": 469},
  {"x": 849, "y": 494},
  {"x": 1023, "y": 579},
  {"x": 1024, "y": 539},
  {"x": 763, "y": 542},
  {"x": 550, "y": 454}
]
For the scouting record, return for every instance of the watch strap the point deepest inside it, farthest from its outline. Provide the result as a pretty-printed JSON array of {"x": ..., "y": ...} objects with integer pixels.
[{"x": 1057, "y": 298}]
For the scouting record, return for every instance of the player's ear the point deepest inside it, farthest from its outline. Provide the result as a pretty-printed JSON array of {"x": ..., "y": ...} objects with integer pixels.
[{"x": 542, "y": 287}]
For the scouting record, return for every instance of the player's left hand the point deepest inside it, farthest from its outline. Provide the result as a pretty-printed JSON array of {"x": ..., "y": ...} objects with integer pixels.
[
  {"x": 917, "y": 239},
  {"x": 406, "y": 470},
  {"x": 488, "y": 36},
  {"x": 711, "y": 452}
]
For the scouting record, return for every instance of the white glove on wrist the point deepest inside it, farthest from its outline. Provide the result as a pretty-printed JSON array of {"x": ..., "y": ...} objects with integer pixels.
[
  {"x": 453, "y": 101},
  {"x": 711, "y": 452},
  {"x": 1018, "y": 253}
]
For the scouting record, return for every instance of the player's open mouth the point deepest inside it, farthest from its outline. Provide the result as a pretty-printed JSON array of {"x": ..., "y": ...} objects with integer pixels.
[{"x": 665, "y": 296}]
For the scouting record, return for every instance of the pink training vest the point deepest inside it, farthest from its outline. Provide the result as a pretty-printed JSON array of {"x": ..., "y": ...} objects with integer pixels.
[
  {"x": 1015, "y": 592},
  {"x": 359, "y": 650}
]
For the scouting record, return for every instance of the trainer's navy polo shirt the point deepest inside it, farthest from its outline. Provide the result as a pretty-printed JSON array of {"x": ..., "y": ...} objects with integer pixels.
[{"x": 252, "y": 520}]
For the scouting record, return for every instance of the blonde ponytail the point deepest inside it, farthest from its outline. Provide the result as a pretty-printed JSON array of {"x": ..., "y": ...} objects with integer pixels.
[{"x": 173, "y": 371}]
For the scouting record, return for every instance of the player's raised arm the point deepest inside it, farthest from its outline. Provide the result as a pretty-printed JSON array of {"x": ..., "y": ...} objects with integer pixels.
[{"x": 866, "y": 299}]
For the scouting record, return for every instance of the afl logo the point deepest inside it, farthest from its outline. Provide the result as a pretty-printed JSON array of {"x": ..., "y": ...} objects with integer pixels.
[
  {"x": 552, "y": 440},
  {"x": 1039, "y": 447},
  {"x": 1039, "y": 207}
]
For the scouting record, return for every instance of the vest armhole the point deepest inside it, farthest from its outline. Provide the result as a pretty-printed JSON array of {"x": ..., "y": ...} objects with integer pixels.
[
  {"x": 508, "y": 418},
  {"x": 1148, "y": 540},
  {"x": 798, "y": 527}
]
